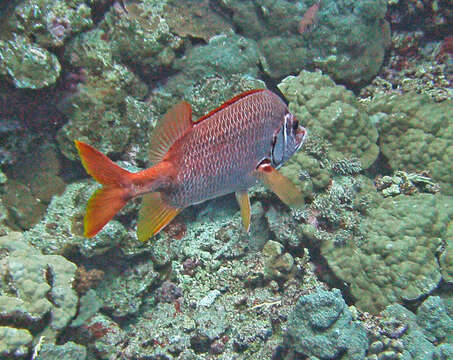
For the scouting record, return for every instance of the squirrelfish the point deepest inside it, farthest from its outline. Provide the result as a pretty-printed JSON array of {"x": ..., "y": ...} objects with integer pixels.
[{"x": 228, "y": 150}]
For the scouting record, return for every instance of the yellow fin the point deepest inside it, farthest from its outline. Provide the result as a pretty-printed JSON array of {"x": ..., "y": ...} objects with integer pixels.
[
  {"x": 172, "y": 126},
  {"x": 102, "y": 207},
  {"x": 154, "y": 215},
  {"x": 244, "y": 203},
  {"x": 280, "y": 185}
]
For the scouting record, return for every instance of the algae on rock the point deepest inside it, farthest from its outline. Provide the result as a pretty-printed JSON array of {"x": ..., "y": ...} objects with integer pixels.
[
  {"x": 211, "y": 74},
  {"x": 50, "y": 22},
  {"x": 28, "y": 65},
  {"x": 98, "y": 111}
]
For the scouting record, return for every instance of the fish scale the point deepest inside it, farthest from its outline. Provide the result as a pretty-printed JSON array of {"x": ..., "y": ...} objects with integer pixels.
[
  {"x": 221, "y": 152},
  {"x": 225, "y": 151}
]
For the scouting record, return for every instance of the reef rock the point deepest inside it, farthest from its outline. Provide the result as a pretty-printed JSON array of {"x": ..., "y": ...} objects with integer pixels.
[
  {"x": 36, "y": 289},
  {"x": 321, "y": 326}
]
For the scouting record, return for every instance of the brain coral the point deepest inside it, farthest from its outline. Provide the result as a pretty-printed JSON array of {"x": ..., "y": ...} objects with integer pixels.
[
  {"x": 334, "y": 113},
  {"x": 397, "y": 258},
  {"x": 416, "y": 134}
]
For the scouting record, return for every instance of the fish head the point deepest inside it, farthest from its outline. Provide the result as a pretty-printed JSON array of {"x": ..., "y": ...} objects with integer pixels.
[{"x": 287, "y": 139}]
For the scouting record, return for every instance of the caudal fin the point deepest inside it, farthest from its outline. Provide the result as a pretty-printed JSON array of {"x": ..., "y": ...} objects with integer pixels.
[{"x": 107, "y": 201}]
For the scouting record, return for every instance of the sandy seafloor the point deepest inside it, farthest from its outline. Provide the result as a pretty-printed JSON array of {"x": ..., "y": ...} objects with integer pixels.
[{"x": 362, "y": 270}]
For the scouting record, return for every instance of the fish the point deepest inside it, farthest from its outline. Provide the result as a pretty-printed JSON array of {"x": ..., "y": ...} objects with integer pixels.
[
  {"x": 308, "y": 18},
  {"x": 228, "y": 150}
]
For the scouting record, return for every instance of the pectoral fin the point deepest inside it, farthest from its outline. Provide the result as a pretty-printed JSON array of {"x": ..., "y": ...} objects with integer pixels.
[
  {"x": 244, "y": 203},
  {"x": 280, "y": 185},
  {"x": 154, "y": 215}
]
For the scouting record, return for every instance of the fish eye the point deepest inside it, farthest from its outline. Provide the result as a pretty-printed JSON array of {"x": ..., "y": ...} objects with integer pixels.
[{"x": 295, "y": 124}]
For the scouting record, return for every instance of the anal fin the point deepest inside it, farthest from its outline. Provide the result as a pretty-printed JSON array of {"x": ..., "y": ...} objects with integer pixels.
[
  {"x": 280, "y": 185},
  {"x": 243, "y": 199},
  {"x": 154, "y": 215}
]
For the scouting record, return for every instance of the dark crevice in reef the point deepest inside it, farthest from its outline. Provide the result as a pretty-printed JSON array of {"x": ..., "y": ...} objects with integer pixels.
[
  {"x": 100, "y": 8},
  {"x": 326, "y": 274}
]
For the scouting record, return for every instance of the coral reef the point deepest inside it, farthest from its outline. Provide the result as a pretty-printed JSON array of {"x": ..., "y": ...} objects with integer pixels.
[
  {"x": 50, "y": 23},
  {"x": 415, "y": 135},
  {"x": 211, "y": 74},
  {"x": 334, "y": 114},
  {"x": 29, "y": 31},
  {"x": 105, "y": 71},
  {"x": 321, "y": 326},
  {"x": 411, "y": 335},
  {"x": 397, "y": 258},
  {"x": 345, "y": 55},
  {"x": 139, "y": 33},
  {"x": 36, "y": 294},
  {"x": 27, "y": 65},
  {"x": 61, "y": 229},
  {"x": 179, "y": 314},
  {"x": 420, "y": 55},
  {"x": 98, "y": 111}
]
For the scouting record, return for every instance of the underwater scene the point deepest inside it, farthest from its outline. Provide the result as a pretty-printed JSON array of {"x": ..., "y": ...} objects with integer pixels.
[{"x": 226, "y": 179}]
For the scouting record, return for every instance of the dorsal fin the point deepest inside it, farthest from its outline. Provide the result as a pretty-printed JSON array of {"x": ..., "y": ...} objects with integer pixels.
[
  {"x": 175, "y": 123},
  {"x": 228, "y": 103}
]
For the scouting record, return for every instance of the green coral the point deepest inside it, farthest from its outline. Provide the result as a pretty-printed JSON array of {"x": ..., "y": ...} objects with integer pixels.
[
  {"x": 14, "y": 342},
  {"x": 415, "y": 332},
  {"x": 332, "y": 41},
  {"x": 416, "y": 134},
  {"x": 50, "y": 22},
  {"x": 140, "y": 34},
  {"x": 333, "y": 113},
  {"x": 397, "y": 258},
  {"x": 98, "y": 111},
  {"x": 28, "y": 65},
  {"x": 34, "y": 286}
]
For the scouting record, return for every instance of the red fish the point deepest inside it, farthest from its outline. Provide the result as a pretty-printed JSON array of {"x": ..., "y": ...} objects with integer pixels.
[
  {"x": 308, "y": 18},
  {"x": 225, "y": 151}
]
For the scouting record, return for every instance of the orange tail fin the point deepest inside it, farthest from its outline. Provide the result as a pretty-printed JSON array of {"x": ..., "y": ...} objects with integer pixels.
[{"x": 107, "y": 201}]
